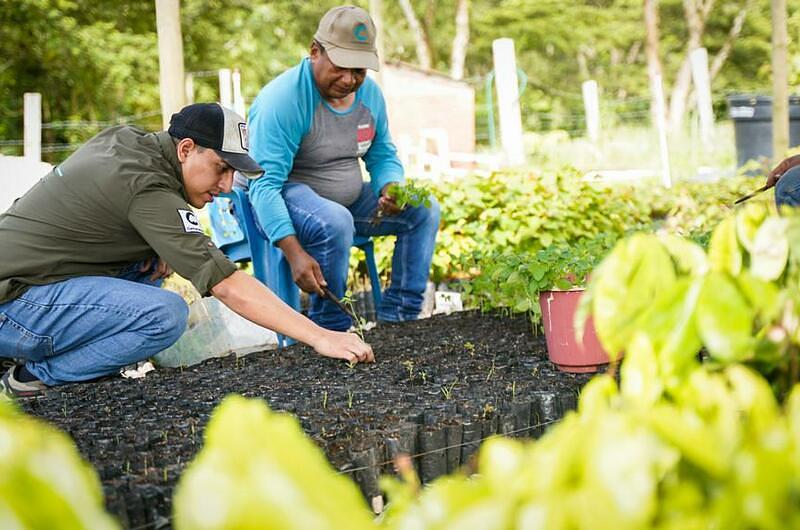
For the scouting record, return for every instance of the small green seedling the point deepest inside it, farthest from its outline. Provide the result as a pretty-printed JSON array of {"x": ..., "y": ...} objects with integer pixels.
[
  {"x": 407, "y": 194},
  {"x": 360, "y": 322},
  {"x": 349, "y": 399},
  {"x": 470, "y": 348},
  {"x": 410, "y": 193},
  {"x": 447, "y": 390},
  {"x": 325, "y": 400},
  {"x": 409, "y": 364},
  {"x": 491, "y": 371}
]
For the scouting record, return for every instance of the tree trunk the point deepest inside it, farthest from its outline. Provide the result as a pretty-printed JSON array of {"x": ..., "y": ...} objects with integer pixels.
[
  {"x": 420, "y": 39},
  {"x": 633, "y": 53},
  {"x": 725, "y": 50},
  {"x": 696, "y": 12},
  {"x": 459, "y": 53},
  {"x": 651, "y": 25},
  {"x": 376, "y": 12},
  {"x": 780, "y": 80}
]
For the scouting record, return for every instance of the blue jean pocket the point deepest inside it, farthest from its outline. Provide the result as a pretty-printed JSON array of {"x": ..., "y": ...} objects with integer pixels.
[{"x": 19, "y": 342}]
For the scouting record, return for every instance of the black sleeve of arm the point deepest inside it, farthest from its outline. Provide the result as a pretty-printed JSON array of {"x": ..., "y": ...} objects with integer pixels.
[{"x": 171, "y": 228}]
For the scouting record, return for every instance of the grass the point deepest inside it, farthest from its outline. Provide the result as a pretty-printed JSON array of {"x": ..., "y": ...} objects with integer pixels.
[{"x": 637, "y": 148}]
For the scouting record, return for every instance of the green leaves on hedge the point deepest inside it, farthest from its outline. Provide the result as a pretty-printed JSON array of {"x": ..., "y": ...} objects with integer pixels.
[{"x": 522, "y": 213}]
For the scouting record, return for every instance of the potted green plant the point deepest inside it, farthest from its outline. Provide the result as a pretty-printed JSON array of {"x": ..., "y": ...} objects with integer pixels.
[{"x": 548, "y": 285}]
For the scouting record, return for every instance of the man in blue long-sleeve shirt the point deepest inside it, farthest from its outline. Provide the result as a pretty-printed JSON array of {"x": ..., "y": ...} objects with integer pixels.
[{"x": 308, "y": 129}]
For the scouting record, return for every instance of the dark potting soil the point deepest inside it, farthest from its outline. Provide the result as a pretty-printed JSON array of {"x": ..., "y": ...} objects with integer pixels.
[{"x": 438, "y": 388}]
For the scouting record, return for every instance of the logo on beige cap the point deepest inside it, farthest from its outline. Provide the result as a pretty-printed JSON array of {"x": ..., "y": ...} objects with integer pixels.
[
  {"x": 360, "y": 32},
  {"x": 243, "y": 136}
]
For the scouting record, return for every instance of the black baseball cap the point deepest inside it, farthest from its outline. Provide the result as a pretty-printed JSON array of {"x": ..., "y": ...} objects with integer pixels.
[{"x": 212, "y": 125}]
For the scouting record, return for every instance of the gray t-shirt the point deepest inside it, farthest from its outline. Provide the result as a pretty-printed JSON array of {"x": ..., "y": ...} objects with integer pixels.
[{"x": 327, "y": 159}]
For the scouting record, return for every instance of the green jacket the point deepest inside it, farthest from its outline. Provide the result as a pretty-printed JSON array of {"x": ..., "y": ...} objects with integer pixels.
[{"x": 117, "y": 200}]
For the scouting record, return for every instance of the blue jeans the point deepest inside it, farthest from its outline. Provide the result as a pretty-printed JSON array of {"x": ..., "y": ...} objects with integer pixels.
[
  {"x": 91, "y": 326},
  {"x": 787, "y": 190},
  {"x": 326, "y": 229}
]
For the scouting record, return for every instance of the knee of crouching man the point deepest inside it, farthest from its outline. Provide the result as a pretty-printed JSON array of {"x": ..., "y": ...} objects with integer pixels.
[
  {"x": 787, "y": 190},
  {"x": 173, "y": 314}
]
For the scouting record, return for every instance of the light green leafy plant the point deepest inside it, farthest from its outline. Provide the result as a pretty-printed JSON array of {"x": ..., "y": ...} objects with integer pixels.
[
  {"x": 514, "y": 281},
  {"x": 738, "y": 301},
  {"x": 44, "y": 482},
  {"x": 410, "y": 193},
  {"x": 523, "y": 212},
  {"x": 258, "y": 470}
]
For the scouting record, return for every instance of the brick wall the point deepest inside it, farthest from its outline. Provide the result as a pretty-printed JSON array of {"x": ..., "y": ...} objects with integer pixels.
[{"x": 418, "y": 100}]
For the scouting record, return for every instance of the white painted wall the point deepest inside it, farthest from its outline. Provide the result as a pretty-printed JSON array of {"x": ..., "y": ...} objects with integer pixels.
[{"x": 17, "y": 175}]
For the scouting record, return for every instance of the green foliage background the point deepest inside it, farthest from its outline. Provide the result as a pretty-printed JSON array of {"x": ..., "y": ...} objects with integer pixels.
[{"x": 98, "y": 60}]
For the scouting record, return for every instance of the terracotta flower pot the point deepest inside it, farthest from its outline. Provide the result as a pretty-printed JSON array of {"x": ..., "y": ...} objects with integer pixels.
[{"x": 563, "y": 348}]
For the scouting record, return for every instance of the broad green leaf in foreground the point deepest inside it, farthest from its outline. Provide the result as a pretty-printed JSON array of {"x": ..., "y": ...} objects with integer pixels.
[
  {"x": 670, "y": 324},
  {"x": 258, "y": 470},
  {"x": 724, "y": 254},
  {"x": 625, "y": 284},
  {"x": 640, "y": 381},
  {"x": 44, "y": 483},
  {"x": 724, "y": 319},
  {"x": 770, "y": 249},
  {"x": 689, "y": 256},
  {"x": 747, "y": 222}
]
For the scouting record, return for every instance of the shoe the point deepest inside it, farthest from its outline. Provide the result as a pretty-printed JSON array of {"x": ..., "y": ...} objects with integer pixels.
[
  {"x": 6, "y": 363},
  {"x": 11, "y": 388}
]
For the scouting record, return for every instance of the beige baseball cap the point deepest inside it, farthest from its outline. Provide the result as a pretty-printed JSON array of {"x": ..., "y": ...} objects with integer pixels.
[{"x": 348, "y": 35}]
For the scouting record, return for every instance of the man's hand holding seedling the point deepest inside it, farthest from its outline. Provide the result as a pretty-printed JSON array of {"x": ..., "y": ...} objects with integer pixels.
[
  {"x": 387, "y": 202},
  {"x": 396, "y": 196}
]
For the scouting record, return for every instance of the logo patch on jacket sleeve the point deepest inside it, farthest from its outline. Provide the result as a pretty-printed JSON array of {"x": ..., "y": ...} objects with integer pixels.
[{"x": 190, "y": 222}]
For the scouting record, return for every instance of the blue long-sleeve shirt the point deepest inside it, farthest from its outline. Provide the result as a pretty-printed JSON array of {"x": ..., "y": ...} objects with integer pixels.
[{"x": 296, "y": 136}]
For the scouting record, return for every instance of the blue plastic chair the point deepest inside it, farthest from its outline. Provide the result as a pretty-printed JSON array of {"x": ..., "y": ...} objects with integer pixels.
[{"x": 234, "y": 231}]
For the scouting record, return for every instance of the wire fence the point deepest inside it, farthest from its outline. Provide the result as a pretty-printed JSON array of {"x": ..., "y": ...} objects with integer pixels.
[
  {"x": 84, "y": 124},
  {"x": 75, "y": 128},
  {"x": 629, "y": 111}
]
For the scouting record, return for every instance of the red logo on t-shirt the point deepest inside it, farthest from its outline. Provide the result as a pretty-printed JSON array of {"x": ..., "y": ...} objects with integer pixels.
[
  {"x": 366, "y": 132},
  {"x": 364, "y": 136}
]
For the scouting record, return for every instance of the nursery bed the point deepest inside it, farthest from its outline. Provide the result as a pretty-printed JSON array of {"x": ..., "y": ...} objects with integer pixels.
[{"x": 438, "y": 388}]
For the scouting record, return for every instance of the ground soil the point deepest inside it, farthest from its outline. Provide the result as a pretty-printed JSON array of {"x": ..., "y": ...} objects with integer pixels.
[{"x": 439, "y": 386}]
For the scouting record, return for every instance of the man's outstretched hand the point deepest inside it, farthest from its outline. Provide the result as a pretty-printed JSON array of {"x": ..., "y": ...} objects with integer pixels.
[
  {"x": 343, "y": 345},
  {"x": 780, "y": 169}
]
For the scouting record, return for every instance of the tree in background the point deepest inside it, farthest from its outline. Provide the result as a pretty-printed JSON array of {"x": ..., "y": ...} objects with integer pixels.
[{"x": 97, "y": 60}]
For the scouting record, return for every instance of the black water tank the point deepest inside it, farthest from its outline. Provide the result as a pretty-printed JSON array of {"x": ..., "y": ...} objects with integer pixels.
[{"x": 752, "y": 121}]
